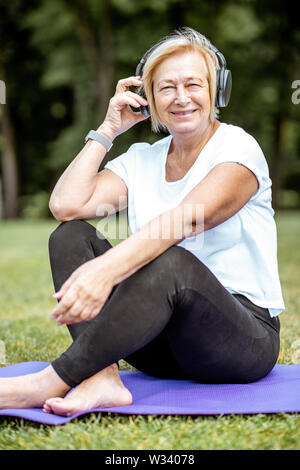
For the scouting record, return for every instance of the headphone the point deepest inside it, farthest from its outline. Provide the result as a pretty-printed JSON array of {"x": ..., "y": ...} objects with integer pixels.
[{"x": 223, "y": 79}]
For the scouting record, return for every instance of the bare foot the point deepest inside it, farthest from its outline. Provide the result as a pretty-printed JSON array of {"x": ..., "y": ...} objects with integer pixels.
[
  {"x": 102, "y": 390},
  {"x": 31, "y": 390}
]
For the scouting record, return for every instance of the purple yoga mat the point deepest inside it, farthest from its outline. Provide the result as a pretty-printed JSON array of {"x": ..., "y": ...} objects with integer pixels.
[{"x": 278, "y": 392}]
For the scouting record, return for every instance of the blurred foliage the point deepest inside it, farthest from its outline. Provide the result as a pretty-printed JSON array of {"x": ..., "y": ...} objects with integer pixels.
[
  {"x": 63, "y": 58},
  {"x": 35, "y": 206}
]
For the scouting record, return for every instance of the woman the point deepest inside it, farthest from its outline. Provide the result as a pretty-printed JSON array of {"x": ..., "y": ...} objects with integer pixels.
[{"x": 201, "y": 302}]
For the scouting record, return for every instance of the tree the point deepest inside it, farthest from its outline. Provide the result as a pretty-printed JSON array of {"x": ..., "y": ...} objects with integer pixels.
[
  {"x": 281, "y": 36},
  {"x": 9, "y": 168}
]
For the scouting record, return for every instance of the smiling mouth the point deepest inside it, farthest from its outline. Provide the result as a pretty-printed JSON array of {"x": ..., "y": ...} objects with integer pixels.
[{"x": 184, "y": 113}]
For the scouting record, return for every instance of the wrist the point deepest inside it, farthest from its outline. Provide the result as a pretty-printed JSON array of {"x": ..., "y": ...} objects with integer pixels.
[
  {"x": 107, "y": 131},
  {"x": 115, "y": 263},
  {"x": 106, "y": 264}
]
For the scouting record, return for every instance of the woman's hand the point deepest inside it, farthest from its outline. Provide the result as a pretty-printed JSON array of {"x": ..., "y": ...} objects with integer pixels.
[
  {"x": 120, "y": 117},
  {"x": 84, "y": 293}
]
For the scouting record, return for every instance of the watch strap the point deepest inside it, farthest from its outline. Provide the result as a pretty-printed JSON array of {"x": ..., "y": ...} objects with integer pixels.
[{"x": 101, "y": 138}]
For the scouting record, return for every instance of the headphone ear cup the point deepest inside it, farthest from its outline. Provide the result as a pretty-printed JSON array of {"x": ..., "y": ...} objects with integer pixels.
[
  {"x": 217, "y": 99},
  {"x": 227, "y": 87},
  {"x": 144, "y": 109},
  {"x": 224, "y": 85}
]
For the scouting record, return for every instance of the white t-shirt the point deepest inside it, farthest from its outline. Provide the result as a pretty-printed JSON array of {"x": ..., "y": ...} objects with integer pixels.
[{"x": 242, "y": 251}]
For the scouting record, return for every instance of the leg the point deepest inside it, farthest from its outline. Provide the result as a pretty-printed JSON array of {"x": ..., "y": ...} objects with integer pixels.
[
  {"x": 157, "y": 359},
  {"x": 30, "y": 391},
  {"x": 212, "y": 337},
  {"x": 211, "y": 334},
  {"x": 233, "y": 341},
  {"x": 70, "y": 245},
  {"x": 104, "y": 389}
]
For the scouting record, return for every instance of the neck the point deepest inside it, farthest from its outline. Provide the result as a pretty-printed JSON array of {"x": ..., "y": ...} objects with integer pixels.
[{"x": 187, "y": 145}]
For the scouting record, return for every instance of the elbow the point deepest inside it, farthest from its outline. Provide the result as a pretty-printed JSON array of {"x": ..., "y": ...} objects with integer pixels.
[{"x": 60, "y": 213}]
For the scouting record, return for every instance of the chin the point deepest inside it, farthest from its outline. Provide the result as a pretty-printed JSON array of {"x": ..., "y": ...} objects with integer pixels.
[
  {"x": 185, "y": 127},
  {"x": 184, "y": 130}
]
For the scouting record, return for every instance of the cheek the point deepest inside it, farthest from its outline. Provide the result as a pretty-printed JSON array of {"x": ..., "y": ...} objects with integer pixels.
[
  {"x": 162, "y": 103},
  {"x": 202, "y": 97},
  {"x": 203, "y": 101}
]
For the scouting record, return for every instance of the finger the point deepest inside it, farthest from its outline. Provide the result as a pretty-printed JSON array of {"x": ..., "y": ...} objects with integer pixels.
[
  {"x": 68, "y": 282},
  {"x": 67, "y": 318},
  {"x": 90, "y": 310},
  {"x": 137, "y": 97},
  {"x": 125, "y": 83},
  {"x": 126, "y": 99},
  {"x": 80, "y": 313},
  {"x": 65, "y": 304},
  {"x": 65, "y": 286},
  {"x": 76, "y": 314},
  {"x": 58, "y": 295}
]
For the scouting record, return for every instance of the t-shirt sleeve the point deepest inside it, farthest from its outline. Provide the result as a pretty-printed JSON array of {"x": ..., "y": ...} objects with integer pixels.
[
  {"x": 122, "y": 165},
  {"x": 240, "y": 147}
]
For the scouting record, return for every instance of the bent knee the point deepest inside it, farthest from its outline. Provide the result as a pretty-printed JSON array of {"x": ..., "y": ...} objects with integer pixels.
[
  {"x": 179, "y": 258},
  {"x": 67, "y": 232}
]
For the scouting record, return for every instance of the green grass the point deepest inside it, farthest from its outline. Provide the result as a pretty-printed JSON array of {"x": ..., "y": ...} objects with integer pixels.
[{"x": 29, "y": 334}]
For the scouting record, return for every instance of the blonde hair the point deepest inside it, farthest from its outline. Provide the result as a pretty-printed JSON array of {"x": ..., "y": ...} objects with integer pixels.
[{"x": 184, "y": 39}]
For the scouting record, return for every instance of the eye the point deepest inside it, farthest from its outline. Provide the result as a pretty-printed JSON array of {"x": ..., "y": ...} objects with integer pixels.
[{"x": 194, "y": 85}]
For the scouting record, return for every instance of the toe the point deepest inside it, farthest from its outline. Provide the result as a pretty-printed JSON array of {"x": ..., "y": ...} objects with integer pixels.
[
  {"x": 61, "y": 407},
  {"x": 46, "y": 408},
  {"x": 51, "y": 405}
]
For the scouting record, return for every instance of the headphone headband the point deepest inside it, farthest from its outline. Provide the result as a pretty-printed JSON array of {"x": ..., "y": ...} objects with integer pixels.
[{"x": 223, "y": 76}]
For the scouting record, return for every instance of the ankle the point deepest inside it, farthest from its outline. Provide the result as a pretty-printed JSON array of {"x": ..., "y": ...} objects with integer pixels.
[
  {"x": 50, "y": 382},
  {"x": 113, "y": 368}
]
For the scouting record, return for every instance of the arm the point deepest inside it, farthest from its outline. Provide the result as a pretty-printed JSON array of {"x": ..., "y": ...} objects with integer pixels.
[
  {"x": 81, "y": 189},
  {"x": 222, "y": 193}
]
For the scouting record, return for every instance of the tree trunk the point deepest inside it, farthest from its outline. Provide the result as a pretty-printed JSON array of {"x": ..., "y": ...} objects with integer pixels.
[
  {"x": 98, "y": 51},
  {"x": 8, "y": 162},
  {"x": 282, "y": 114}
]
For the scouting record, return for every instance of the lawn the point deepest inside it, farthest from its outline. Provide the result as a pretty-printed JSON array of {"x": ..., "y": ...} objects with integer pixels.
[{"x": 28, "y": 334}]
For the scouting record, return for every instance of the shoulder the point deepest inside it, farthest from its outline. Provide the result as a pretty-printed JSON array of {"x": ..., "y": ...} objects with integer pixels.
[
  {"x": 237, "y": 145},
  {"x": 139, "y": 153},
  {"x": 140, "y": 148},
  {"x": 237, "y": 137}
]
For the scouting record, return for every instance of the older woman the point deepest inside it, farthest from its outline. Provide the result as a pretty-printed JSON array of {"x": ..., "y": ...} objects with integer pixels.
[{"x": 194, "y": 291}]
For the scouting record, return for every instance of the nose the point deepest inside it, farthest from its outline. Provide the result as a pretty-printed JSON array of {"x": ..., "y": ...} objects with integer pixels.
[{"x": 182, "y": 95}]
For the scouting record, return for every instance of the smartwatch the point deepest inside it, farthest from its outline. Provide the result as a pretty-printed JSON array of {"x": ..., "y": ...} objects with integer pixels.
[{"x": 101, "y": 138}]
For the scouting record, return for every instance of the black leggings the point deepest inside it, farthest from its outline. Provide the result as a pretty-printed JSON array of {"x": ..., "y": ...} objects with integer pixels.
[{"x": 171, "y": 319}]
